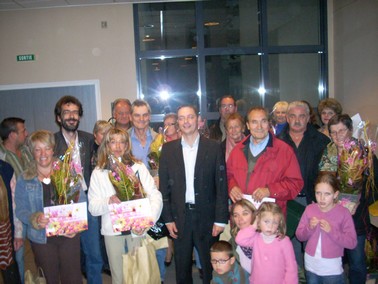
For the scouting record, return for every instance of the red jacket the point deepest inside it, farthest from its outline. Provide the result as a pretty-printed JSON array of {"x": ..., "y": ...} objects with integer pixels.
[{"x": 277, "y": 168}]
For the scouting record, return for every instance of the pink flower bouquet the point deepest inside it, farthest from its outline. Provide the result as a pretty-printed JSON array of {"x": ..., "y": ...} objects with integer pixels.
[
  {"x": 66, "y": 178},
  {"x": 354, "y": 167},
  {"x": 125, "y": 182}
]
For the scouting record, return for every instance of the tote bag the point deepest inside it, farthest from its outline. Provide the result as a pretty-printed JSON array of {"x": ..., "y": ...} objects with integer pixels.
[{"x": 141, "y": 266}]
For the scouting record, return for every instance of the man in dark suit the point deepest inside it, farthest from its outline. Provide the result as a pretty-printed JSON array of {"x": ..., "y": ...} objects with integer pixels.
[
  {"x": 68, "y": 111},
  {"x": 194, "y": 188}
]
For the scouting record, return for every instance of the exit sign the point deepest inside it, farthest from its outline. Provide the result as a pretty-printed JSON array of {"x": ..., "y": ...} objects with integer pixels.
[{"x": 26, "y": 57}]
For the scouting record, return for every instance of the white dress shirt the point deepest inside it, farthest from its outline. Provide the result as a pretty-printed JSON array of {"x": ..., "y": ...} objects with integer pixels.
[{"x": 190, "y": 157}]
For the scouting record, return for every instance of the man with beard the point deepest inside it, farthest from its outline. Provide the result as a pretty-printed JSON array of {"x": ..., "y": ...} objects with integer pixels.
[{"x": 68, "y": 111}]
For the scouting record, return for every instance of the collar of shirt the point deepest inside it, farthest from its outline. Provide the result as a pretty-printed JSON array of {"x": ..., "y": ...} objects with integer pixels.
[
  {"x": 140, "y": 152},
  {"x": 185, "y": 144},
  {"x": 259, "y": 147},
  {"x": 68, "y": 140}
]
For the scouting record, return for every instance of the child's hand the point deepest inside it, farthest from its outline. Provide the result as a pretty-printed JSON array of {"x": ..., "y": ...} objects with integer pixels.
[
  {"x": 313, "y": 222},
  {"x": 325, "y": 226}
]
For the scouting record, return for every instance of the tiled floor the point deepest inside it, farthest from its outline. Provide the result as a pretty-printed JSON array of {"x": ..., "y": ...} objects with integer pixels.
[{"x": 169, "y": 277}]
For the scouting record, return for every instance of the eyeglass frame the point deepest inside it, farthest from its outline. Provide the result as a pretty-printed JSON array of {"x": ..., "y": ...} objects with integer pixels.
[
  {"x": 229, "y": 106},
  {"x": 339, "y": 132},
  {"x": 220, "y": 261}
]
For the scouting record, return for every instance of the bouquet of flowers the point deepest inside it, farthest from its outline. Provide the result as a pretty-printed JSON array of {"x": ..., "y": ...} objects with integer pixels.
[
  {"x": 155, "y": 151},
  {"x": 126, "y": 183},
  {"x": 66, "y": 178},
  {"x": 352, "y": 166},
  {"x": 355, "y": 162}
]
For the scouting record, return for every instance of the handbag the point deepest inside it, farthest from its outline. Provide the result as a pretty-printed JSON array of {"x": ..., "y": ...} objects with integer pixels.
[
  {"x": 35, "y": 279},
  {"x": 140, "y": 265},
  {"x": 158, "y": 231}
]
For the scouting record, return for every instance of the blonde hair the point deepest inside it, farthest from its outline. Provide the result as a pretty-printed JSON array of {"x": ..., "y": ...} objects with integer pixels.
[
  {"x": 104, "y": 150},
  {"x": 45, "y": 137},
  {"x": 279, "y": 104},
  {"x": 275, "y": 209},
  {"x": 245, "y": 204},
  {"x": 101, "y": 125}
]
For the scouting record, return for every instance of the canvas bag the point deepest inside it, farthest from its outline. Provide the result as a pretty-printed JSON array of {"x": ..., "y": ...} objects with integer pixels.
[
  {"x": 140, "y": 265},
  {"x": 37, "y": 279}
]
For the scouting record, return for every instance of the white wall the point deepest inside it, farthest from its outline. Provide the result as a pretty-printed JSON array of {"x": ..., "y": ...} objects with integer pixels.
[
  {"x": 355, "y": 58},
  {"x": 70, "y": 45}
]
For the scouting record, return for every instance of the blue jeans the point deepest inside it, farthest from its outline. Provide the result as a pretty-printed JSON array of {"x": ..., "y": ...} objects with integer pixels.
[
  {"x": 298, "y": 251},
  {"x": 312, "y": 278},
  {"x": 20, "y": 256},
  {"x": 160, "y": 256},
  {"x": 357, "y": 262},
  {"x": 197, "y": 258},
  {"x": 90, "y": 245}
]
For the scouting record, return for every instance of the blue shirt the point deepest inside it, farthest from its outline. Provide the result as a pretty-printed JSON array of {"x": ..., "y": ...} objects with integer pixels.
[
  {"x": 138, "y": 150},
  {"x": 259, "y": 147}
]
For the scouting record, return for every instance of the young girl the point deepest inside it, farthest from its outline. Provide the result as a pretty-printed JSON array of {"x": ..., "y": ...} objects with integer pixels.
[
  {"x": 273, "y": 254},
  {"x": 328, "y": 229},
  {"x": 242, "y": 215}
]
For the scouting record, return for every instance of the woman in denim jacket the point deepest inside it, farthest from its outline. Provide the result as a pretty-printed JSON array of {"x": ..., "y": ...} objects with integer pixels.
[{"x": 58, "y": 256}]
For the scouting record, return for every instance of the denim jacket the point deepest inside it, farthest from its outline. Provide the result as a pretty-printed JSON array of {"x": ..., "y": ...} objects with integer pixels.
[{"x": 29, "y": 200}]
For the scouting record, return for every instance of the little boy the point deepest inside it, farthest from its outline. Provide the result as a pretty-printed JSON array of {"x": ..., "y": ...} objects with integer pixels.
[{"x": 226, "y": 269}]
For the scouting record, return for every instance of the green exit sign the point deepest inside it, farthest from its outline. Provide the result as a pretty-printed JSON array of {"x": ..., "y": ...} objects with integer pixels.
[{"x": 26, "y": 57}]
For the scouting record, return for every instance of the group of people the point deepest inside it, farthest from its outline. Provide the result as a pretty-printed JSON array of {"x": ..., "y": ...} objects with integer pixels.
[{"x": 203, "y": 188}]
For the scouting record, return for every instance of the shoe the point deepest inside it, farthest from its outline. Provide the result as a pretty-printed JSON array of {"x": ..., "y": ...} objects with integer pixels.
[
  {"x": 167, "y": 263},
  {"x": 106, "y": 271}
]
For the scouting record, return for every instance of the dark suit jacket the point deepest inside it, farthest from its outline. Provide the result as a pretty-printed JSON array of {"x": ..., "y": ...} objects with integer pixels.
[
  {"x": 86, "y": 142},
  {"x": 210, "y": 185}
]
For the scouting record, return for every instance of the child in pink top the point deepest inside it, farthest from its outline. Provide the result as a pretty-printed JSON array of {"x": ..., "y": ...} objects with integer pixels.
[
  {"x": 328, "y": 228},
  {"x": 273, "y": 254}
]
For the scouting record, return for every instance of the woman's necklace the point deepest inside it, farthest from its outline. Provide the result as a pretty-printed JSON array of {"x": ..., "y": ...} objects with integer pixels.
[{"x": 45, "y": 178}]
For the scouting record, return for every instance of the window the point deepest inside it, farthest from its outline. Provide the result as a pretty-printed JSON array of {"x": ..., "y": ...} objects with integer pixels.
[{"x": 260, "y": 52}]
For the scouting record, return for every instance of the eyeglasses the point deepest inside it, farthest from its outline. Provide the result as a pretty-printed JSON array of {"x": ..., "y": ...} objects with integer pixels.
[
  {"x": 220, "y": 261},
  {"x": 339, "y": 132},
  {"x": 70, "y": 112},
  {"x": 230, "y": 106}
]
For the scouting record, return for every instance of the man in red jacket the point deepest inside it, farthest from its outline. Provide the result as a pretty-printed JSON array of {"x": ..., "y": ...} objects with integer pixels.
[{"x": 262, "y": 165}]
